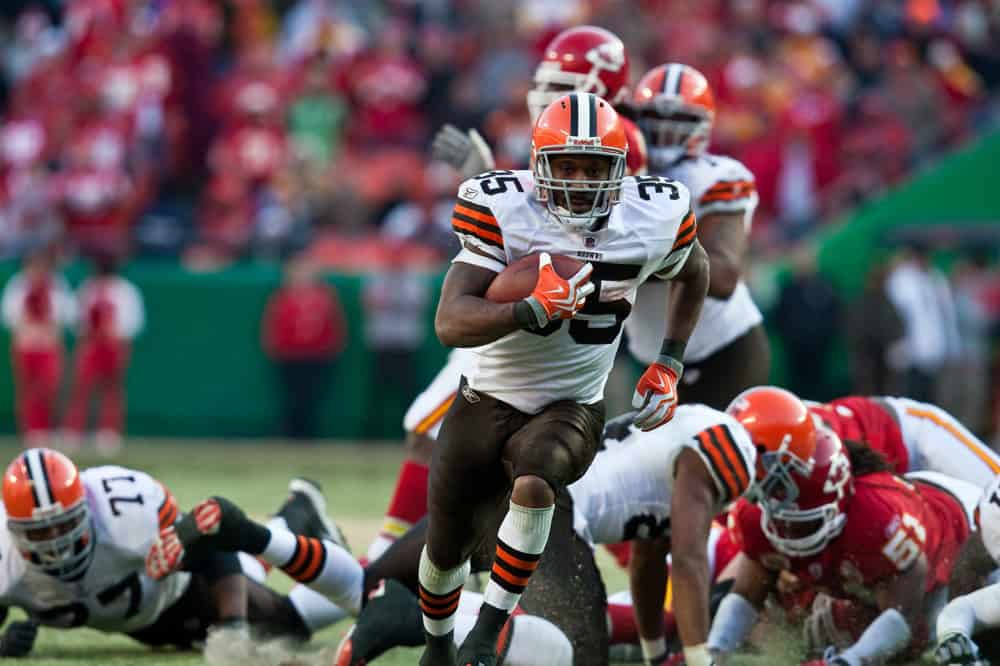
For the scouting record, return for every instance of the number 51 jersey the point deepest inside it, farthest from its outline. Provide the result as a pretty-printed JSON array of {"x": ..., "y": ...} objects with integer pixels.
[
  {"x": 114, "y": 594},
  {"x": 649, "y": 232}
]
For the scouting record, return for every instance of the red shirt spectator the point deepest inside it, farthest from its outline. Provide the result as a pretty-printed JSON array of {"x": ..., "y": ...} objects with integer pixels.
[{"x": 304, "y": 319}]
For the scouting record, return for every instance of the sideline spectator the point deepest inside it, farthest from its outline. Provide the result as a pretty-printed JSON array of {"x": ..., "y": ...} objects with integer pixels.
[
  {"x": 37, "y": 303},
  {"x": 806, "y": 314},
  {"x": 395, "y": 298},
  {"x": 111, "y": 316},
  {"x": 874, "y": 328},
  {"x": 923, "y": 297},
  {"x": 304, "y": 330}
]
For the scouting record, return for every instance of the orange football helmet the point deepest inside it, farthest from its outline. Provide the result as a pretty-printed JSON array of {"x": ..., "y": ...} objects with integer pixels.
[
  {"x": 47, "y": 513},
  {"x": 583, "y": 59},
  {"x": 578, "y": 124},
  {"x": 782, "y": 428},
  {"x": 676, "y": 111}
]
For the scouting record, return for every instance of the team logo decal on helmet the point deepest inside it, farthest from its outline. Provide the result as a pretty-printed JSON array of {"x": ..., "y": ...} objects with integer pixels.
[{"x": 582, "y": 59}]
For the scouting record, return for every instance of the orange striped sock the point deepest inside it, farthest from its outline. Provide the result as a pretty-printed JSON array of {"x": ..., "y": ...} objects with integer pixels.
[{"x": 520, "y": 542}]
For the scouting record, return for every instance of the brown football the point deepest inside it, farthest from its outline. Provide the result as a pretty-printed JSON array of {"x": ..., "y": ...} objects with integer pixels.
[{"x": 518, "y": 280}]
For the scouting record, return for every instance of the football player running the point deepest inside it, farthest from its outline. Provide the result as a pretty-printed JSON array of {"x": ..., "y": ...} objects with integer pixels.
[
  {"x": 528, "y": 416},
  {"x": 728, "y": 351},
  {"x": 72, "y": 554},
  {"x": 975, "y": 607},
  {"x": 831, "y": 517},
  {"x": 581, "y": 59},
  {"x": 913, "y": 436}
]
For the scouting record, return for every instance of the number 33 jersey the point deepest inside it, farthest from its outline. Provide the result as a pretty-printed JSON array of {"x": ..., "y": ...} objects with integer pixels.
[
  {"x": 114, "y": 595},
  {"x": 499, "y": 220},
  {"x": 627, "y": 491}
]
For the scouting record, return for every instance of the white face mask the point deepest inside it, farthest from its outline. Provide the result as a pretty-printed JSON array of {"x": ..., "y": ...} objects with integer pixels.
[
  {"x": 556, "y": 193},
  {"x": 65, "y": 556}
]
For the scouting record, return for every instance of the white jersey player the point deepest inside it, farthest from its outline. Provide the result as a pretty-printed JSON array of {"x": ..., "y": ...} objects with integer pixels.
[
  {"x": 728, "y": 350},
  {"x": 72, "y": 553},
  {"x": 91, "y": 571},
  {"x": 584, "y": 59},
  {"x": 626, "y": 494},
  {"x": 527, "y": 420},
  {"x": 648, "y": 233},
  {"x": 979, "y": 611}
]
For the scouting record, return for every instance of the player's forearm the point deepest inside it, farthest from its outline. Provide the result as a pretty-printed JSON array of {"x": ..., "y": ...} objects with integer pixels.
[
  {"x": 648, "y": 585},
  {"x": 964, "y": 614},
  {"x": 723, "y": 276},
  {"x": 470, "y": 321},
  {"x": 887, "y": 635},
  {"x": 687, "y": 295},
  {"x": 689, "y": 572}
]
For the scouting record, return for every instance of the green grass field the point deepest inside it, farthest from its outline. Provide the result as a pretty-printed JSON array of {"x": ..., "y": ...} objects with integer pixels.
[{"x": 358, "y": 480}]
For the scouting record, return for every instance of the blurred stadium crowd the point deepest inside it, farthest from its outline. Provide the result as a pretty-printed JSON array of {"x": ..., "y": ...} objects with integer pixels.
[{"x": 214, "y": 131}]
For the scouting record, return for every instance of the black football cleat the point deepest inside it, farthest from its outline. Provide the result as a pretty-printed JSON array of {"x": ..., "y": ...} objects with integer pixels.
[
  {"x": 391, "y": 618},
  {"x": 477, "y": 655},
  {"x": 440, "y": 651},
  {"x": 304, "y": 511}
]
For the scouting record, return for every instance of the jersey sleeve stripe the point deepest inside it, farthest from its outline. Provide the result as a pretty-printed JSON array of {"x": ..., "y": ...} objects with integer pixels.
[
  {"x": 464, "y": 227},
  {"x": 734, "y": 192},
  {"x": 479, "y": 213},
  {"x": 687, "y": 232},
  {"x": 727, "y": 454},
  {"x": 729, "y": 186},
  {"x": 167, "y": 512},
  {"x": 734, "y": 455},
  {"x": 718, "y": 466}
]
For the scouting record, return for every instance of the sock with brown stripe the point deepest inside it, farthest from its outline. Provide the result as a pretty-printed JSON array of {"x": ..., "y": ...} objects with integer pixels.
[
  {"x": 520, "y": 542},
  {"x": 440, "y": 590},
  {"x": 322, "y": 565}
]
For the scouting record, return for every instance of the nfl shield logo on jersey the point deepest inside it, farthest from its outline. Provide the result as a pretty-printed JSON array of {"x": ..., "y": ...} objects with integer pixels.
[{"x": 590, "y": 242}]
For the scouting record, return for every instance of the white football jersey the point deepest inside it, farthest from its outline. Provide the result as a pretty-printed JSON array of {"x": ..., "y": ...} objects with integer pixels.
[
  {"x": 988, "y": 519},
  {"x": 649, "y": 232},
  {"x": 627, "y": 490},
  {"x": 114, "y": 594},
  {"x": 718, "y": 184}
]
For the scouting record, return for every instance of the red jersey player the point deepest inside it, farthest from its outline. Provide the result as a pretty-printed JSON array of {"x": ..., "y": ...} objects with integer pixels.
[
  {"x": 833, "y": 518},
  {"x": 913, "y": 436}
]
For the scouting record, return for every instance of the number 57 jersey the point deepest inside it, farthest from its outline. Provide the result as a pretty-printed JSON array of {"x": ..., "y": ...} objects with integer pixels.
[
  {"x": 498, "y": 220},
  {"x": 114, "y": 594}
]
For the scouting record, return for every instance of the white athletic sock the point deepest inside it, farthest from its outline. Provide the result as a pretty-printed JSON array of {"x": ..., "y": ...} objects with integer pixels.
[
  {"x": 440, "y": 591},
  {"x": 520, "y": 542},
  {"x": 316, "y": 610}
]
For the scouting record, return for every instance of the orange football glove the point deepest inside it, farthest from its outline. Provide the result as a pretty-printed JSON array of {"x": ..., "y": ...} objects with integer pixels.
[
  {"x": 555, "y": 297},
  {"x": 656, "y": 396}
]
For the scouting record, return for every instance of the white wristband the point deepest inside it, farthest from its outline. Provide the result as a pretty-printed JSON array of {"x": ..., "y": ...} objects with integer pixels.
[
  {"x": 698, "y": 655},
  {"x": 653, "y": 649}
]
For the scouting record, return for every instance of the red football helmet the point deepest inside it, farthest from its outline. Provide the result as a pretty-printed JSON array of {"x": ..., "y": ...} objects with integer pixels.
[
  {"x": 582, "y": 59},
  {"x": 784, "y": 432},
  {"x": 803, "y": 524},
  {"x": 578, "y": 124},
  {"x": 47, "y": 513},
  {"x": 676, "y": 112},
  {"x": 637, "y": 159}
]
